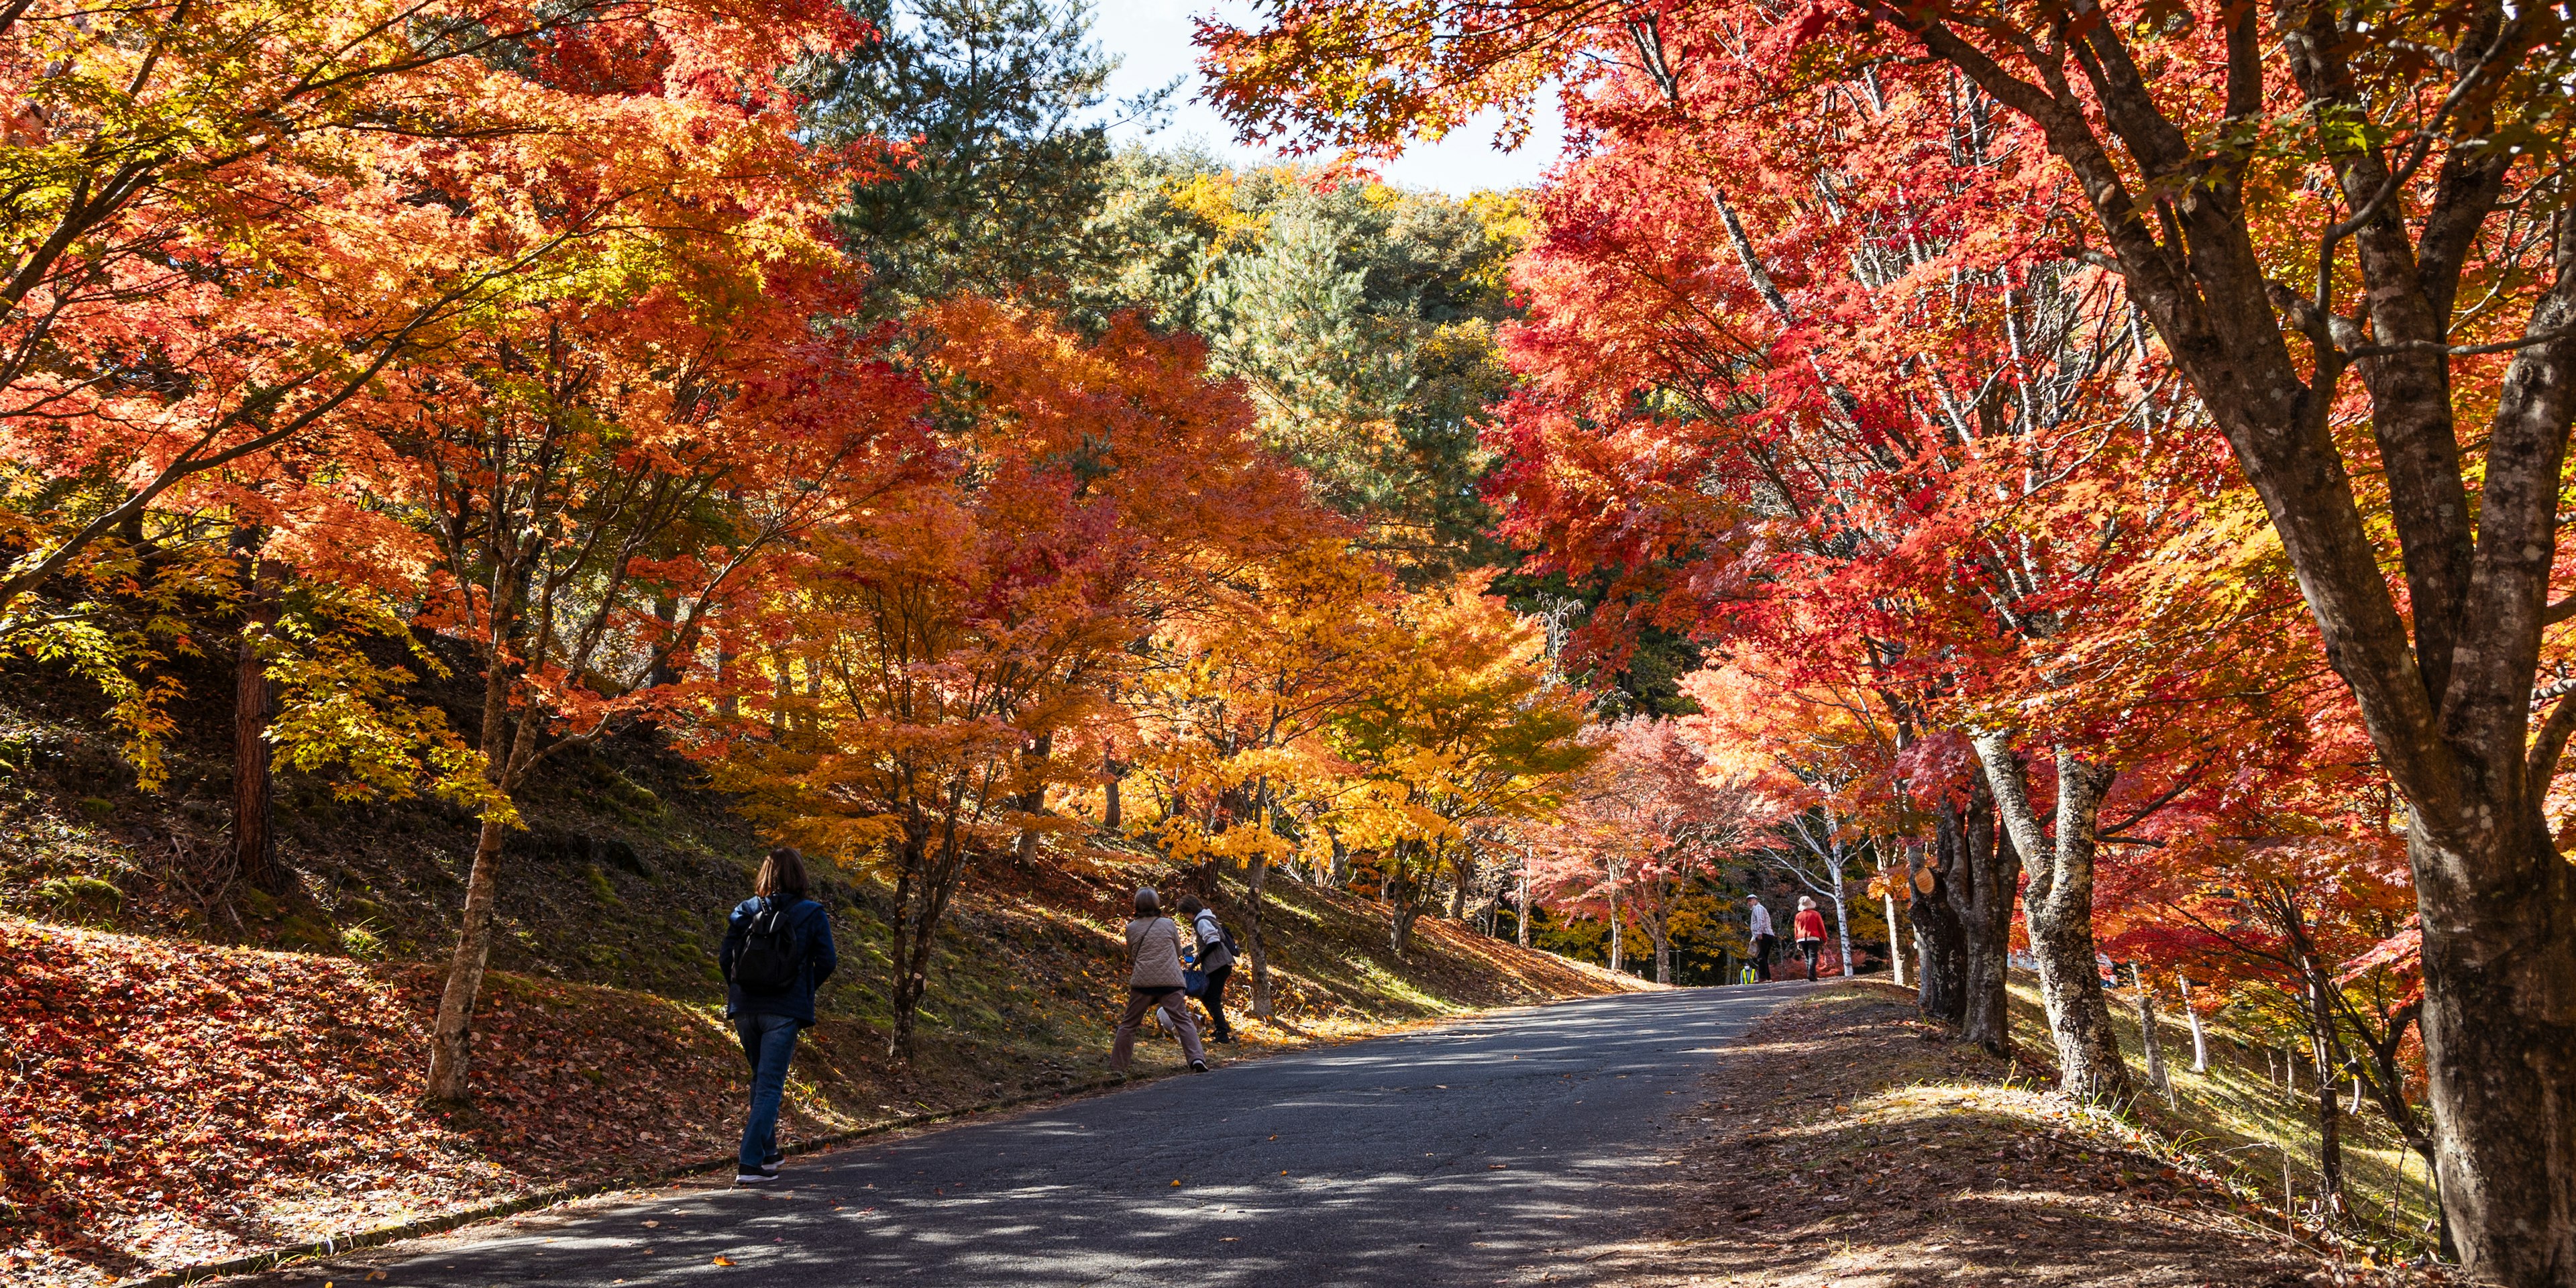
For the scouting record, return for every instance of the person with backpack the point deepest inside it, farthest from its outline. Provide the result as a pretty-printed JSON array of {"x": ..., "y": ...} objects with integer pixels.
[
  {"x": 1216, "y": 958},
  {"x": 1154, "y": 982},
  {"x": 1810, "y": 926},
  {"x": 777, "y": 947}
]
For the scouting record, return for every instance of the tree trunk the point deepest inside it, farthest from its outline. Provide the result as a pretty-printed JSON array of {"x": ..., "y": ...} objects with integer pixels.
[
  {"x": 934, "y": 874},
  {"x": 1940, "y": 944},
  {"x": 1398, "y": 893},
  {"x": 903, "y": 992},
  {"x": 2199, "y": 1040},
  {"x": 451, "y": 1042},
  {"x": 2499, "y": 1033},
  {"x": 507, "y": 752},
  {"x": 1617, "y": 955},
  {"x": 1257, "y": 879},
  {"x": 1663, "y": 959},
  {"x": 1033, "y": 801},
  {"x": 1981, "y": 886},
  {"x": 1523, "y": 930},
  {"x": 1110, "y": 815},
  {"x": 2321, "y": 1046},
  {"x": 2148, "y": 1038},
  {"x": 2058, "y": 910},
  {"x": 254, "y": 704},
  {"x": 1895, "y": 954},
  {"x": 1842, "y": 917},
  {"x": 911, "y": 984},
  {"x": 1461, "y": 869}
]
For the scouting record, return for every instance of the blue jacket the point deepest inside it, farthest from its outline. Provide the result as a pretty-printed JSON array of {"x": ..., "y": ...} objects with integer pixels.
[{"x": 813, "y": 934}]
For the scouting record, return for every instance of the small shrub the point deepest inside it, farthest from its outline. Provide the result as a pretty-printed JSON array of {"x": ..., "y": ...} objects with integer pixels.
[
  {"x": 362, "y": 943},
  {"x": 82, "y": 891}
]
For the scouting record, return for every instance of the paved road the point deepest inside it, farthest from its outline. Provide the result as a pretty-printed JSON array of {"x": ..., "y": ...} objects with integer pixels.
[{"x": 1491, "y": 1151}]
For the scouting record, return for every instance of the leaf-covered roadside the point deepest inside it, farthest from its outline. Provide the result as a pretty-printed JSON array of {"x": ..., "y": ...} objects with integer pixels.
[
  {"x": 1846, "y": 1142},
  {"x": 169, "y": 1102}
]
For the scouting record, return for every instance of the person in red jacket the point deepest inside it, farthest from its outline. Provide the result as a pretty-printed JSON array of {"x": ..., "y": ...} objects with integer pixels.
[{"x": 1810, "y": 927}]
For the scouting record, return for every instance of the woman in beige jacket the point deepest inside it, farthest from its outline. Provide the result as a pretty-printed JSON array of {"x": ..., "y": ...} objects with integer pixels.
[{"x": 1154, "y": 945}]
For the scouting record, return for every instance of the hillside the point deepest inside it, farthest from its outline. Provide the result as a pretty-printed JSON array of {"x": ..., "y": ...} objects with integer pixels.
[{"x": 199, "y": 1071}]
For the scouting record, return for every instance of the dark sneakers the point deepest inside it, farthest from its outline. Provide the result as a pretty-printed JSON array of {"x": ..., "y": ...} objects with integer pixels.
[
  {"x": 768, "y": 1174},
  {"x": 1198, "y": 1066}
]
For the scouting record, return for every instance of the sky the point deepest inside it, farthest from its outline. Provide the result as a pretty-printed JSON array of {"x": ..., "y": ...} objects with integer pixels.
[{"x": 1153, "y": 38}]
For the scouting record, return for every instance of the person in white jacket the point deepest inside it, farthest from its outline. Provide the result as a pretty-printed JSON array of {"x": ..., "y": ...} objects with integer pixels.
[
  {"x": 1215, "y": 960},
  {"x": 1762, "y": 938}
]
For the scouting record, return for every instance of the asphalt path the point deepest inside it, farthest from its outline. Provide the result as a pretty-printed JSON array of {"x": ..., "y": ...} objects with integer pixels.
[{"x": 1496, "y": 1150}]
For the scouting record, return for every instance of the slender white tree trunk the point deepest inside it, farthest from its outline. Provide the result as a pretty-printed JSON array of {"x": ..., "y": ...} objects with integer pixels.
[
  {"x": 2148, "y": 1036},
  {"x": 1895, "y": 952},
  {"x": 2199, "y": 1042},
  {"x": 1523, "y": 935},
  {"x": 1842, "y": 914}
]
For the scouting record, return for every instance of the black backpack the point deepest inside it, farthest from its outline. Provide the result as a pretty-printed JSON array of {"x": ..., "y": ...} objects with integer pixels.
[{"x": 767, "y": 962}]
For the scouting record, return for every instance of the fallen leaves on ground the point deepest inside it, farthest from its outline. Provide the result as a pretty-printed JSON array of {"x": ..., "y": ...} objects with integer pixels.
[
  {"x": 168, "y": 1103},
  {"x": 1846, "y": 1142}
]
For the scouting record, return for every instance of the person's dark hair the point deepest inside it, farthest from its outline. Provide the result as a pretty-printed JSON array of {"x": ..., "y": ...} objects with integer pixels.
[
  {"x": 1190, "y": 905},
  {"x": 1148, "y": 903},
  {"x": 782, "y": 875}
]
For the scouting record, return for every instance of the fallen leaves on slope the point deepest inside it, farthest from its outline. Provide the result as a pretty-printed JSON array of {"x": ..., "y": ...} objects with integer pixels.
[
  {"x": 1847, "y": 1142},
  {"x": 167, "y": 1102}
]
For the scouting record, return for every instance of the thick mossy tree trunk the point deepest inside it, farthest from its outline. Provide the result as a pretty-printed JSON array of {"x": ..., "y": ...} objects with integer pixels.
[
  {"x": 2058, "y": 909},
  {"x": 1940, "y": 944},
  {"x": 1980, "y": 887}
]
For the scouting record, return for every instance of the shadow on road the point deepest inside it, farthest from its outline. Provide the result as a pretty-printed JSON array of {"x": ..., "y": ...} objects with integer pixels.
[{"x": 1496, "y": 1150}]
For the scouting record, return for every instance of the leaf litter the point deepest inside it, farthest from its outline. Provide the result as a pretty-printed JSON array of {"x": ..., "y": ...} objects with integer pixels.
[{"x": 1848, "y": 1143}]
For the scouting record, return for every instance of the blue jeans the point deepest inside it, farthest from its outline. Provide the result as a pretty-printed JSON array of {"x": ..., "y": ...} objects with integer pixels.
[{"x": 769, "y": 1042}]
